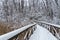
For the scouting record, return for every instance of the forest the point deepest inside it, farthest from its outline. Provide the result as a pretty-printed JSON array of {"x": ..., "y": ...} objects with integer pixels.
[
  {"x": 17, "y": 13},
  {"x": 14, "y": 10}
]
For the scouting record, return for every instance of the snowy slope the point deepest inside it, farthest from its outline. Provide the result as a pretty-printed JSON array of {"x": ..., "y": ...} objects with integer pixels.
[{"x": 42, "y": 34}]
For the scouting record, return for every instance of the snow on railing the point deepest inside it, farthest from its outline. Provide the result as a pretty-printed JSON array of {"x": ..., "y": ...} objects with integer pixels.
[
  {"x": 43, "y": 22},
  {"x": 55, "y": 25},
  {"x": 16, "y": 32}
]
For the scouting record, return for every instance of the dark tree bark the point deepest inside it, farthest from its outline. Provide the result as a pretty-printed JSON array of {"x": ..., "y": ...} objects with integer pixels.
[
  {"x": 22, "y": 5},
  {"x": 49, "y": 9},
  {"x": 5, "y": 8},
  {"x": 56, "y": 1}
]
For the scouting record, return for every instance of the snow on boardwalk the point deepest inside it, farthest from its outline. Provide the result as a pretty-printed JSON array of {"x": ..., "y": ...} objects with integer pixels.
[{"x": 42, "y": 34}]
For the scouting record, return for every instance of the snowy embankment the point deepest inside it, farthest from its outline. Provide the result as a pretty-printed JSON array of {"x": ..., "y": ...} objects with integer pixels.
[{"x": 42, "y": 34}]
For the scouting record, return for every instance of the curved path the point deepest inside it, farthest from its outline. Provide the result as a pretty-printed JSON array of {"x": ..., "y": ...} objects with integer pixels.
[{"x": 42, "y": 34}]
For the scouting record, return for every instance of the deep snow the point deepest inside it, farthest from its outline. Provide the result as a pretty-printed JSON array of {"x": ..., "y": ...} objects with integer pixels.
[{"x": 42, "y": 34}]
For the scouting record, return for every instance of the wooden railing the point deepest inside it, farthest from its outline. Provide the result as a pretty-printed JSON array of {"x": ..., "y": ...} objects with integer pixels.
[
  {"x": 20, "y": 34},
  {"x": 53, "y": 28}
]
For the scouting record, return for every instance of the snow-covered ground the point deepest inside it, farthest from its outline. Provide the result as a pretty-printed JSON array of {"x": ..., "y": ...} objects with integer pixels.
[{"x": 42, "y": 34}]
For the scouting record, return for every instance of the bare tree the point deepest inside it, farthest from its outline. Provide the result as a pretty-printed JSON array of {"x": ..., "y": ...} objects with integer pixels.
[
  {"x": 49, "y": 9},
  {"x": 5, "y": 8},
  {"x": 22, "y": 5},
  {"x": 56, "y": 1}
]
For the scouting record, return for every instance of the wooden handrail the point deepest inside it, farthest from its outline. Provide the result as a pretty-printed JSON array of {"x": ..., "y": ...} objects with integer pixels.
[
  {"x": 55, "y": 25},
  {"x": 15, "y": 32}
]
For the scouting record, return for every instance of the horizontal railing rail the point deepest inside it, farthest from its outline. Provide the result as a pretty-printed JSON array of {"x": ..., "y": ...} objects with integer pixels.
[
  {"x": 43, "y": 22},
  {"x": 15, "y": 32},
  {"x": 55, "y": 25}
]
